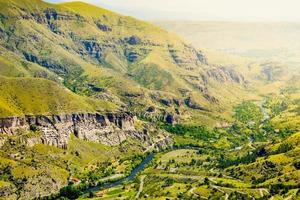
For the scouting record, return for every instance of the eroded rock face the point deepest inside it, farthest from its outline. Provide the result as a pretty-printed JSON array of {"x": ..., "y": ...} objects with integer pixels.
[
  {"x": 133, "y": 40},
  {"x": 223, "y": 75},
  {"x": 132, "y": 56},
  {"x": 103, "y": 27},
  {"x": 109, "y": 129},
  {"x": 199, "y": 82},
  {"x": 166, "y": 102},
  {"x": 93, "y": 48},
  {"x": 191, "y": 104},
  {"x": 189, "y": 58},
  {"x": 51, "y": 17},
  {"x": 2, "y": 34},
  {"x": 52, "y": 14},
  {"x": 53, "y": 66}
]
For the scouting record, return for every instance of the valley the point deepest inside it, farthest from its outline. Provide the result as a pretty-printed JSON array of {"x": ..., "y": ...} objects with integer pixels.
[
  {"x": 97, "y": 105},
  {"x": 218, "y": 171}
]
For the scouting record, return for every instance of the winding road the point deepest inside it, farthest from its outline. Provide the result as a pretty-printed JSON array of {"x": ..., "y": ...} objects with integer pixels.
[
  {"x": 262, "y": 190},
  {"x": 141, "y": 187}
]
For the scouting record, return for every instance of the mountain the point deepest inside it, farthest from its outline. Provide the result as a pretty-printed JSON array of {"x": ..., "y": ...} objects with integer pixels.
[
  {"x": 88, "y": 96},
  {"x": 258, "y": 40},
  {"x": 102, "y": 55}
]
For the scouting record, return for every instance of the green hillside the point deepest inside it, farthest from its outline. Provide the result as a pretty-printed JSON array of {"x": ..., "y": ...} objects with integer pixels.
[
  {"x": 214, "y": 126},
  {"x": 95, "y": 53},
  {"x": 33, "y": 96}
]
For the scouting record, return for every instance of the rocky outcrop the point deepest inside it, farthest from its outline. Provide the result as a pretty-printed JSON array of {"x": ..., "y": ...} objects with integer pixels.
[
  {"x": 199, "y": 82},
  {"x": 133, "y": 40},
  {"x": 2, "y": 34},
  {"x": 223, "y": 124},
  {"x": 52, "y": 14},
  {"x": 49, "y": 16},
  {"x": 201, "y": 57},
  {"x": 103, "y": 27},
  {"x": 166, "y": 102},
  {"x": 93, "y": 48},
  {"x": 132, "y": 56},
  {"x": 272, "y": 71},
  {"x": 222, "y": 74},
  {"x": 191, "y": 104},
  {"x": 132, "y": 94},
  {"x": 188, "y": 58},
  {"x": 210, "y": 98},
  {"x": 163, "y": 143},
  {"x": 109, "y": 129},
  {"x": 53, "y": 66}
]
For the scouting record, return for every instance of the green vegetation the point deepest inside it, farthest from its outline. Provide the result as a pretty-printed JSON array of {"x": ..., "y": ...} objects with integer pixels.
[
  {"x": 98, "y": 54},
  {"x": 86, "y": 163},
  {"x": 238, "y": 142},
  {"x": 31, "y": 96},
  {"x": 247, "y": 112},
  {"x": 196, "y": 132},
  {"x": 227, "y": 163},
  {"x": 150, "y": 76}
]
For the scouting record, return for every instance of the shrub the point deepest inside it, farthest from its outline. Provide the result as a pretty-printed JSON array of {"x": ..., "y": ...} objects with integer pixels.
[
  {"x": 197, "y": 132},
  {"x": 33, "y": 128},
  {"x": 247, "y": 112}
]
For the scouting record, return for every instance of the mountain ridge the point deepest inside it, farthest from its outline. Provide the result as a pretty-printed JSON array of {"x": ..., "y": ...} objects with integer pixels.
[
  {"x": 86, "y": 95},
  {"x": 129, "y": 51}
]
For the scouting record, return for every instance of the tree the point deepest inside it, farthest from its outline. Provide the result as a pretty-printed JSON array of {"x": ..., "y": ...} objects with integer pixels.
[
  {"x": 248, "y": 112},
  {"x": 206, "y": 181},
  {"x": 91, "y": 195},
  {"x": 297, "y": 165}
]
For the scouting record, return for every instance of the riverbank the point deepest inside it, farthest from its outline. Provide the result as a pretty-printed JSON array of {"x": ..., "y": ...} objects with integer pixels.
[{"x": 132, "y": 175}]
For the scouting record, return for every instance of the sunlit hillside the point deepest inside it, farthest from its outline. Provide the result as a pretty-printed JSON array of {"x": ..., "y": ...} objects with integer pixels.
[{"x": 98, "y": 105}]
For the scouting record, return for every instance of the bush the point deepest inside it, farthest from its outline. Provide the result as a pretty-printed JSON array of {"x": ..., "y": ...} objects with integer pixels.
[
  {"x": 197, "y": 132},
  {"x": 248, "y": 158},
  {"x": 283, "y": 148},
  {"x": 33, "y": 128},
  {"x": 247, "y": 112},
  {"x": 297, "y": 165}
]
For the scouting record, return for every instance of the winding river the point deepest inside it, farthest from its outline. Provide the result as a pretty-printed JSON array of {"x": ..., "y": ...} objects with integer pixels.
[
  {"x": 150, "y": 157},
  {"x": 132, "y": 175}
]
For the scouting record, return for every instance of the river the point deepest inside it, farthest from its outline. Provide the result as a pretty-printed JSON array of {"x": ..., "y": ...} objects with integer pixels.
[
  {"x": 150, "y": 157},
  {"x": 132, "y": 175}
]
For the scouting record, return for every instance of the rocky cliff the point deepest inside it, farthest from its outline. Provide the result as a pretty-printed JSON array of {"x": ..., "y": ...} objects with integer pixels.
[{"x": 109, "y": 129}]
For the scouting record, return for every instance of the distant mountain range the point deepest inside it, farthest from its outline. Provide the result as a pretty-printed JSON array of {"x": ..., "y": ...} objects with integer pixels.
[{"x": 258, "y": 40}]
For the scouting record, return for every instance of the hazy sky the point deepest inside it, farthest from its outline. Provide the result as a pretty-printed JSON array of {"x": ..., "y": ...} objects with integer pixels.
[{"x": 233, "y": 10}]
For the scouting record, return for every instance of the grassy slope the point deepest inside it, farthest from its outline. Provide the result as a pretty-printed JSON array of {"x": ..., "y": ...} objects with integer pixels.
[
  {"x": 26, "y": 92},
  {"x": 155, "y": 70},
  {"x": 284, "y": 171},
  {"x": 38, "y": 96}
]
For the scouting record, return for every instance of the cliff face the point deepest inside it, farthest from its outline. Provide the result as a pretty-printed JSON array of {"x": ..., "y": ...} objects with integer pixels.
[
  {"x": 48, "y": 174},
  {"x": 109, "y": 129}
]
